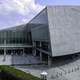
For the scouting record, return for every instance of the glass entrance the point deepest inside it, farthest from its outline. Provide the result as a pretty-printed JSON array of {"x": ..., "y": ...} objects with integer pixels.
[{"x": 14, "y": 52}]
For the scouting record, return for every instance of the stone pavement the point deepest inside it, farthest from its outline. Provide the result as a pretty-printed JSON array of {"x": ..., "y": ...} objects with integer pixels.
[
  {"x": 53, "y": 73},
  {"x": 64, "y": 70}
]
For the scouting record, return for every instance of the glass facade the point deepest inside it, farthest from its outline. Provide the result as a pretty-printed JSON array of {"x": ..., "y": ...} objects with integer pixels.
[
  {"x": 40, "y": 31},
  {"x": 21, "y": 37},
  {"x": 15, "y": 37},
  {"x": 15, "y": 40}
]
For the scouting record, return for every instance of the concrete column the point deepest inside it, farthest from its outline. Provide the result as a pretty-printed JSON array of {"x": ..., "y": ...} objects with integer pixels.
[
  {"x": 23, "y": 52},
  {"x": 40, "y": 53},
  {"x": 4, "y": 54},
  {"x": 40, "y": 44},
  {"x": 40, "y": 56},
  {"x": 4, "y": 51},
  {"x": 49, "y": 61},
  {"x": 34, "y": 50}
]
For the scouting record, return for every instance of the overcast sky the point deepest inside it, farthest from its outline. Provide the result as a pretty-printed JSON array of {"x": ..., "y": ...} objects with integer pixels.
[{"x": 16, "y": 12}]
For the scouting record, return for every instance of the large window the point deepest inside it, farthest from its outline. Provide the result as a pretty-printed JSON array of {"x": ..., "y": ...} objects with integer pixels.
[
  {"x": 21, "y": 36},
  {"x": 45, "y": 46}
]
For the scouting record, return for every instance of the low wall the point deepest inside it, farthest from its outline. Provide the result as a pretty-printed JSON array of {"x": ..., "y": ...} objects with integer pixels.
[
  {"x": 7, "y": 60},
  {"x": 18, "y": 59}
]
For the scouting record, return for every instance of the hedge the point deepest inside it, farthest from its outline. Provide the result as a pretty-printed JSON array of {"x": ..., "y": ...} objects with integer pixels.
[{"x": 9, "y": 72}]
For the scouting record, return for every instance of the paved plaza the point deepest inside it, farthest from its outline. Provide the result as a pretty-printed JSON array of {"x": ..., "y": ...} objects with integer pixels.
[{"x": 68, "y": 71}]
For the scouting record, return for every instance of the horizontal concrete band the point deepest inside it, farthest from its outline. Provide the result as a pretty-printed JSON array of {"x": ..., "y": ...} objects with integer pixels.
[{"x": 14, "y": 46}]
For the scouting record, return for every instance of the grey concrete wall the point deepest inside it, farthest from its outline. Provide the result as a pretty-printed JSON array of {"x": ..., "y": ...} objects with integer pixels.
[
  {"x": 8, "y": 60},
  {"x": 64, "y": 28},
  {"x": 15, "y": 59}
]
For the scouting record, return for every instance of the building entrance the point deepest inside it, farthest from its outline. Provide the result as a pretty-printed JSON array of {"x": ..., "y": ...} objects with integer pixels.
[
  {"x": 15, "y": 51},
  {"x": 1, "y": 51}
]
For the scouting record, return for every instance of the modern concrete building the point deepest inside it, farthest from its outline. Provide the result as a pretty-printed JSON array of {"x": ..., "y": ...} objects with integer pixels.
[
  {"x": 14, "y": 41},
  {"x": 55, "y": 31}
]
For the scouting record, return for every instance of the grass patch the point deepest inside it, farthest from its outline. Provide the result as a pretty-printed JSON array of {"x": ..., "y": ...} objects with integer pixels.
[{"x": 17, "y": 73}]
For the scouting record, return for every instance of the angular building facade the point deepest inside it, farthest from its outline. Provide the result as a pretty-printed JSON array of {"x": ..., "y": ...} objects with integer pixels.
[
  {"x": 57, "y": 28},
  {"x": 55, "y": 31}
]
